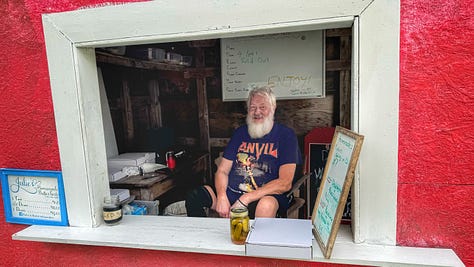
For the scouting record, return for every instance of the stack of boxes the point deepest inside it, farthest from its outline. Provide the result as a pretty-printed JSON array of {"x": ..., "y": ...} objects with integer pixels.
[
  {"x": 126, "y": 164},
  {"x": 160, "y": 55}
]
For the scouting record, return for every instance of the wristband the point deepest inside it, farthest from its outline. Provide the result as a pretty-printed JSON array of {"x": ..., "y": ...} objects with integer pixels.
[{"x": 240, "y": 201}]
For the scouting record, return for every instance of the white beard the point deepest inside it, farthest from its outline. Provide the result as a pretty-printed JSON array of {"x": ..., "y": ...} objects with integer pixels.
[{"x": 259, "y": 130}]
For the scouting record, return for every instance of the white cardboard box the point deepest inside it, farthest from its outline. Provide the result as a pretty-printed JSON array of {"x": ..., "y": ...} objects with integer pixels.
[
  {"x": 131, "y": 159},
  {"x": 277, "y": 237},
  {"x": 123, "y": 194},
  {"x": 115, "y": 173}
]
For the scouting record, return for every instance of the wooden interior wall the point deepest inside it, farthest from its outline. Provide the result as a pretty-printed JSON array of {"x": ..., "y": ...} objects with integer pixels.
[{"x": 145, "y": 95}]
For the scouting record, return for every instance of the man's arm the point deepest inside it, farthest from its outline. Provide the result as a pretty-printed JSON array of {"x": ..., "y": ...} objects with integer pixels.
[
  {"x": 278, "y": 186},
  {"x": 221, "y": 182}
]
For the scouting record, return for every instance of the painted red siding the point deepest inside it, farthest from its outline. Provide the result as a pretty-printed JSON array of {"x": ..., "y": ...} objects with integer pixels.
[
  {"x": 436, "y": 141},
  {"x": 28, "y": 140},
  {"x": 436, "y": 148}
]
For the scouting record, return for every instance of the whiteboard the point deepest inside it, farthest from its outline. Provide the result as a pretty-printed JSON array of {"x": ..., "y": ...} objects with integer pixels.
[
  {"x": 293, "y": 63},
  {"x": 335, "y": 185}
]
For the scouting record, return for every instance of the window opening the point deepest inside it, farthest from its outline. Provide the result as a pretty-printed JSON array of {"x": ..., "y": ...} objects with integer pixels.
[
  {"x": 74, "y": 83},
  {"x": 152, "y": 89}
]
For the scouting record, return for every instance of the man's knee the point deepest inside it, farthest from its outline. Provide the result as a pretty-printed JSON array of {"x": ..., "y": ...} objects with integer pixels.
[
  {"x": 196, "y": 201},
  {"x": 267, "y": 207}
]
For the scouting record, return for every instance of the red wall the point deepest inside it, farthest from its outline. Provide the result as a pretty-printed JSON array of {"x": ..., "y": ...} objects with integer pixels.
[
  {"x": 436, "y": 150},
  {"x": 436, "y": 141}
]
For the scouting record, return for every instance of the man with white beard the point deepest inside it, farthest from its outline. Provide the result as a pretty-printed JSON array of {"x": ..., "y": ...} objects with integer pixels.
[{"x": 257, "y": 167}]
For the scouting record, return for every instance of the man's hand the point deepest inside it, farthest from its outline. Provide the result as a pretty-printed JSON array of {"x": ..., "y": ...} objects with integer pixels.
[
  {"x": 278, "y": 186},
  {"x": 223, "y": 207},
  {"x": 221, "y": 181}
]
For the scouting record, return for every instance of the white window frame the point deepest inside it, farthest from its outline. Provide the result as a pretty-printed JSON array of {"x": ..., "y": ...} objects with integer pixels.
[{"x": 71, "y": 38}]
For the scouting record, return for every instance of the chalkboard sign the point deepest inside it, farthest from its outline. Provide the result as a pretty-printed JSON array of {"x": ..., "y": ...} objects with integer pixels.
[
  {"x": 293, "y": 63},
  {"x": 318, "y": 156},
  {"x": 33, "y": 197},
  {"x": 335, "y": 186}
]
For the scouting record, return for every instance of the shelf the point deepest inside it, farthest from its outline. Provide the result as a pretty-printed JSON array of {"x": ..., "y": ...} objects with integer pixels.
[{"x": 108, "y": 58}]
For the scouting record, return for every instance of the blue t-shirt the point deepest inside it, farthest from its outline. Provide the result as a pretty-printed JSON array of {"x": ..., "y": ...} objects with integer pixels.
[{"x": 257, "y": 161}]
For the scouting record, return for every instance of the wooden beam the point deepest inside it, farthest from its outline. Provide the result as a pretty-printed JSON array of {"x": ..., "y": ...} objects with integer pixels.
[
  {"x": 201, "y": 72},
  {"x": 103, "y": 57},
  {"x": 127, "y": 114},
  {"x": 345, "y": 84},
  {"x": 337, "y": 65},
  {"x": 155, "y": 107},
  {"x": 339, "y": 32},
  {"x": 203, "y": 43},
  {"x": 203, "y": 113}
]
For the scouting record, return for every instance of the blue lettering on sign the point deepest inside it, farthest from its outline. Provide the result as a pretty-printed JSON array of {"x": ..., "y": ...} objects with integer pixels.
[{"x": 28, "y": 185}]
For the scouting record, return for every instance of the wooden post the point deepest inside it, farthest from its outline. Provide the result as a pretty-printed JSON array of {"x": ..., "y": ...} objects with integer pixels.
[
  {"x": 155, "y": 106},
  {"x": 202, "y": 102},
  {"x": 345, "y": 84},
  {"x": 127, "y": 114}
]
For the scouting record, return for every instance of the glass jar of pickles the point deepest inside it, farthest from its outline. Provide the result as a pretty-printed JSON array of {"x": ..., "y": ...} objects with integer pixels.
[{"x": 239, "y": 225}]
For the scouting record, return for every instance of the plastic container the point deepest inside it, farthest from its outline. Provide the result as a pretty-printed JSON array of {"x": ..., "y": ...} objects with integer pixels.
[
  {"x": 239, "y": 225},
  {"x": 156, "y": 54},
  {"x": 174, "y": 58},
  {"x": 186, "y": 61},
  {"x": 152, "y": 207}
]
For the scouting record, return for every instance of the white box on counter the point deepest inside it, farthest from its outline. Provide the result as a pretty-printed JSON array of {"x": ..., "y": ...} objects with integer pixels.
[{"x": 279, "y": 237}]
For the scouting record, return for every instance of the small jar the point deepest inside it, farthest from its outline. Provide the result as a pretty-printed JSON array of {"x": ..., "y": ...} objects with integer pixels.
[
  {"x": 239, "y": 225},
  {"x": 112, "y": 210}
]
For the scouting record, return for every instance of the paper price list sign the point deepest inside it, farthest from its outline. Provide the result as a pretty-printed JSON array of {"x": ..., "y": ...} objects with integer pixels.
[{"x": 34, "y": 197}]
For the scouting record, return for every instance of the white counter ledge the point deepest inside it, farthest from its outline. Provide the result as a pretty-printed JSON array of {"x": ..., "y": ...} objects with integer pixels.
[{"x": 211, "y": 235}]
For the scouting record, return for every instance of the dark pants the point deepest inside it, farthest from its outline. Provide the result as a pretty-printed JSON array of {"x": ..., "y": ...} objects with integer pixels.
[{"x": 199, "y": 199}]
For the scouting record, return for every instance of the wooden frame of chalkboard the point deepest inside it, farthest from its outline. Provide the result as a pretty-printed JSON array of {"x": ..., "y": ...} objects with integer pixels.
[
  {"x": 335, "y": 186},
  {"x": 34, "y": 197}
]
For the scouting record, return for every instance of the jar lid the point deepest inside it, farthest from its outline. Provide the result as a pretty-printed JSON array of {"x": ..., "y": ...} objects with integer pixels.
[{"x": 240, "y": 211}]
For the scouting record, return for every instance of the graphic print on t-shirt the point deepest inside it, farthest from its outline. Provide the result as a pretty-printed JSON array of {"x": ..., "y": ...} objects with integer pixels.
[{"x": 251, "y": 163}]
